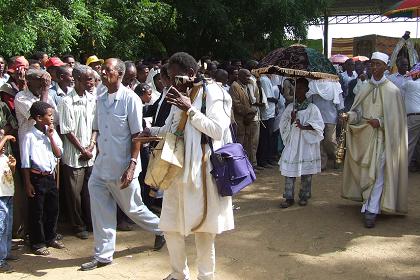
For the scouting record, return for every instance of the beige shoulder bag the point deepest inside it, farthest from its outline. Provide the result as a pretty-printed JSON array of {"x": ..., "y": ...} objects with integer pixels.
[{"x": 167, "y": 158}]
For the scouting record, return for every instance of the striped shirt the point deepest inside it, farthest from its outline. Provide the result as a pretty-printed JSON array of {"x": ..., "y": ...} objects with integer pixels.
[{"x": 76, "y": 115}]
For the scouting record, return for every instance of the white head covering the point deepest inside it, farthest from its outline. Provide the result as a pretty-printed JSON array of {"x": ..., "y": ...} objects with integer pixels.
[{"x": 380, "y": 56}]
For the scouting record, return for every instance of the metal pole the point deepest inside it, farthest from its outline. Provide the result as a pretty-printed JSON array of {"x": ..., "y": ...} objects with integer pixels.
[
  {"x": 294, "y": 94},
  {"x": 326, "y": 34}
]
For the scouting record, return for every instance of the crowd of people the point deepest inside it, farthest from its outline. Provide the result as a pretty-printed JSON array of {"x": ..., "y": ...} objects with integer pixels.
[{"x": 73, "y": 128}]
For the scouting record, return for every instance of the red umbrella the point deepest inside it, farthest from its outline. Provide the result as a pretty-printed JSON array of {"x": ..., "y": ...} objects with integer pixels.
[
  {"x": 360, "y": 58},
  {"x": 406, "y": 8},
  {"x": 338, "y": 58}
]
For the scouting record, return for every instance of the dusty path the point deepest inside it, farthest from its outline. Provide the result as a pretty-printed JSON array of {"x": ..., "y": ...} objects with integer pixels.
[{"x": 325, "y": 240}]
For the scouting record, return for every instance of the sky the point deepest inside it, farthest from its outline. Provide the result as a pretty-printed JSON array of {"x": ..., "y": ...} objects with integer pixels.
[{"x": 354, "y": 30}]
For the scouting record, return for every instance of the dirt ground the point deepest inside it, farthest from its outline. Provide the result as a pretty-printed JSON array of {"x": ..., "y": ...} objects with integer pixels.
[{"x": 325, "y": 239}]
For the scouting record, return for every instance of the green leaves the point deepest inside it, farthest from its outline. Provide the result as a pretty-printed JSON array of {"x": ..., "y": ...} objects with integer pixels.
[{"x": 132, "y": 29}]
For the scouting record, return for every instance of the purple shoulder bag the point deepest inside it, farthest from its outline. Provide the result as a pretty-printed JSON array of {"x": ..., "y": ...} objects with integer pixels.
[{"x": 232, "y": 170}]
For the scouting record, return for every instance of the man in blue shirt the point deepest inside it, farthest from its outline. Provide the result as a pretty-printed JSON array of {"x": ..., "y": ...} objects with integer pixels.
[{"x": 114, "y": 176}]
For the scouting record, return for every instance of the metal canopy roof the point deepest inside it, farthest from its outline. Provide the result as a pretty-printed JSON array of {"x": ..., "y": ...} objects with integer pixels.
[
  {"x": 359, "y": 11},
  {"x": 359, "y": 7}
]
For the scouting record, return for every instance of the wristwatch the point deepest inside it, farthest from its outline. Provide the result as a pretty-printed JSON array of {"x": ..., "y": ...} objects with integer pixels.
[
  {"x": 191, "y": 113},
  {"x": 134, "y": 160}
]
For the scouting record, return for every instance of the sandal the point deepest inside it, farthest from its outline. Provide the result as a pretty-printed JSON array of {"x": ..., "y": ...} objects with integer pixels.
[
  {"x": 43, "y": 251},
  {"x": 56, "y": 244}
]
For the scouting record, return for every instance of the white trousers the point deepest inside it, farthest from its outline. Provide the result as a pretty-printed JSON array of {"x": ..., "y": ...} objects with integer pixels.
[
  {"x": 206, "y": 258},
  {"x": 373, "y": 204},
  {"x": 104, "y": 196}
]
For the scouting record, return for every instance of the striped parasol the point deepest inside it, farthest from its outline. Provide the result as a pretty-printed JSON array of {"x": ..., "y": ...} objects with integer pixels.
[
  {"x": 406, "y": 8},
  {"x": 338, "y": 58},
  {"x": 360, "y": 58}
]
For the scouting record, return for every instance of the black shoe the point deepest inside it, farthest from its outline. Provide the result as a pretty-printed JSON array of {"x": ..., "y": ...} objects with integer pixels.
[
  {"x": 159, "y": 242},
  {"x": 273, "y": 163},
  {"x": 5, "y": 267},
  {"x": 303, "y": 202},
  {"x": 57, "y": 244},
  {"x": 92, "y": 265},
  {"x": 287, "y": 203},
  {"x": 12, "y": 258},
  {"x": 369, "y": 219},
  {"x": 124, "y": 226},
  {"x": 59, "y": 236},
  {"x": 82, "y": 234}
]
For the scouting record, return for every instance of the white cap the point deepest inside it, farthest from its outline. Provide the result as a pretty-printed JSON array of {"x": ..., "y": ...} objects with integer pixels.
[{"x": 380, "y": 56}]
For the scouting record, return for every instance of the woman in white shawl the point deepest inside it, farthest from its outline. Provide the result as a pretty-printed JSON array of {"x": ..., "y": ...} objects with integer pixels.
[
  {"x": 183, "y": 206},
  {"x": 301, "y": 128}
]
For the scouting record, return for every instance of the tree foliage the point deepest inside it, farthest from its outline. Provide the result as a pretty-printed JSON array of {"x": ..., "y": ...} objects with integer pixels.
[{"x": 132, "y": 29}]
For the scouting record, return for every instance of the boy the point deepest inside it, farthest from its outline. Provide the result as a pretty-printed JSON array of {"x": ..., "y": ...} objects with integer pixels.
[
  {"x": 301, "y": 128},
  {"x": 41, "y": 147},
  {"x": 7, "y": 168}
]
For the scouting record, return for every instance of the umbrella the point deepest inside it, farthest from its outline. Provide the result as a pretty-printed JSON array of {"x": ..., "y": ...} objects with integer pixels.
[
  {"x": 406, "y": 8},
  {"x": 338, "y": 58},
  {"x": 297, "y": 61},
  {"x": 360, "y": 58}
]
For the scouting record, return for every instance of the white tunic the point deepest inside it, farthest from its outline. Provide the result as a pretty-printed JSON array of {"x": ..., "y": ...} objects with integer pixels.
[
  {"x": 301, "y": 154},
  {"x": 183, "y": 203}
]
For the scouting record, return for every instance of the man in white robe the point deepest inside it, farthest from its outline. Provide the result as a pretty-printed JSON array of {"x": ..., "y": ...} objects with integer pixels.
[
  {"x": 184, "y": 210},
  {"x": 375, "y": 167},
  {"x": 301, "y": 128}
]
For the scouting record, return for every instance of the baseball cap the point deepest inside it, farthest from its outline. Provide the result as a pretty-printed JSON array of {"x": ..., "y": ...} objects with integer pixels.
[
  {"x": 19, "y": 61},
  {"x": 54, "y": 61}
]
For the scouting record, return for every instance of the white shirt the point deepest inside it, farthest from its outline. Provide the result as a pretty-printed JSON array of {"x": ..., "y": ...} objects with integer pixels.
[
  {"x": 250, "y": 89},
  {"x": 269, "y": 111},
  {"x": 116, "y": 123},
  {"x": 57, "y": 94},
  {"x": 329, "y": 110},
  {"x": 23, "y": 102},
  {"x": 226, "y": 87},
  {"x": 346, "y": 80},
  {"x": 36, "y": 151},
  {"x": 411, "y": 94},
  {"x": 76, "y": 116},
  {"x": 4, "y": 79},
  {"x": 7, "y": 187},
  {"x": 398, "y": 79}
]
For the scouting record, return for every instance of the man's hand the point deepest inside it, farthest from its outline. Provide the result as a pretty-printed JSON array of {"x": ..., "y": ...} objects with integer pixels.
[
  {"x": 127, "y": 176},
  {"x": 374, "y": 123},
  {"x": 30, "y": 190},
  {"x": 145, "y": 132},
  {"x": 174, "y": 97},
  {"x": 293, "y": 116},
  {"x": 86, "y": 154},
  {"x": 298, "y": 124},
  {"x": 258, "y": 104},
  {"x": 344, "y": 117},
  {"x": 46, "y": 81},
  {"x": 50, "y": 131},
  {"x": 12, "y": 163},
  {"x": 21, "y": 73}
]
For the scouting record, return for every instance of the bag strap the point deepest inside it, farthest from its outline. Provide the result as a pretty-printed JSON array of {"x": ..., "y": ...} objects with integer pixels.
[
  {"x": 233, "y": 134},
  {"x": 205, "y": 139},
  {"x": 181, "y": 126}
]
